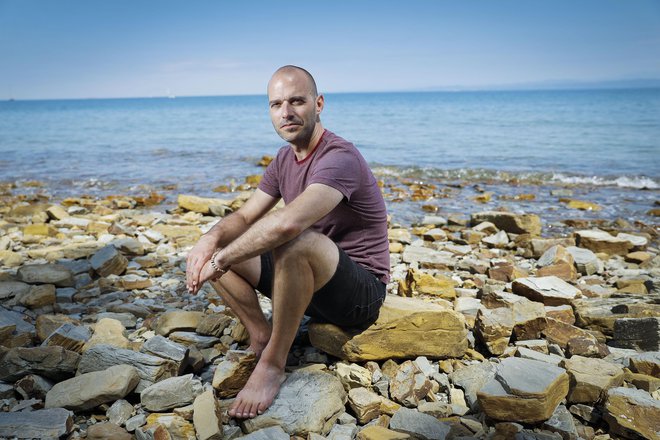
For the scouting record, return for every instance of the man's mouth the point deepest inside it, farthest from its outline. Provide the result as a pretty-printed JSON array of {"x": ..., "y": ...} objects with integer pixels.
[{"x": 289, "y": 125}]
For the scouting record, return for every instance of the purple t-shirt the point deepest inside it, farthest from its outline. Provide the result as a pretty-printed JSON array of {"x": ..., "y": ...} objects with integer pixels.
[{"x": 359, "y": 223}]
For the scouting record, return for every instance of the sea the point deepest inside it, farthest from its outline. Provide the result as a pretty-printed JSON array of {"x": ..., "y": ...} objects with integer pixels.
[{"x": 601, "y": 146}]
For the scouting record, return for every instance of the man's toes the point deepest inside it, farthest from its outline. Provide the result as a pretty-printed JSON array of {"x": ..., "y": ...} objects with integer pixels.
[{"x": 237, "y": 408}]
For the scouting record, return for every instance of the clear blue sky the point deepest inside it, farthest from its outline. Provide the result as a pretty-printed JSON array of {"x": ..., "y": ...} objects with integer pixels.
[{"x": 122, "y": 48}]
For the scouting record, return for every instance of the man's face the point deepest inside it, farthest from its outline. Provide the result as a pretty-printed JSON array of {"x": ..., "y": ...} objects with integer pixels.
[{"x": 294, "y": 110}]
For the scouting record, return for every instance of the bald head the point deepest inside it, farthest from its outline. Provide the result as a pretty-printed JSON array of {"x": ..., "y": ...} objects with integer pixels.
[{"x": 292, "y": 71}]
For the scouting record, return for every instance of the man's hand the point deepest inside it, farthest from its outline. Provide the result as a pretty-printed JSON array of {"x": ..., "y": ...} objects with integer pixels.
[{"x": 198, "y": 259}]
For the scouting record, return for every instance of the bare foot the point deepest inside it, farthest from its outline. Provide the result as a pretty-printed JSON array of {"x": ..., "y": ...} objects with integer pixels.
[{"x": 259, "y": 391}]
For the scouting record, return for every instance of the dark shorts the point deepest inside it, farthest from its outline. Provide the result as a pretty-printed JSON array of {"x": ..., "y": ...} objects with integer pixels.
[{"x": 352, "y": 297}]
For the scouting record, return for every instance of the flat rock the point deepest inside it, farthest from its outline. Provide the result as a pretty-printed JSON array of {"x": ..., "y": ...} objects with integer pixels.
[
  {"x": 46, "y": 274},
  {"x": 90, "y": 390},
  {"x": 297, "y": 408},
  {"x": 509, "y": 222},
  {"x": 52, "y": 362},
  {"x": 591, "y": 378},
  {"x": 551, "y": 291},
  {"x": 109, "y": 261},
  {"x": 233, "y": 372},
  {"x": 419, "y": 425},
  {"x": 69, "y": 336},
  {"x": 165, "y": 348},
  {"x": 560, "y": 333},
  {"x": 524, "y": 390},
  {"x": 597, "y": 241},
  {"x": 376, "y": 432},
  {"x": 207, "y": 417},
  {"x": 632, "y": 413},
  {"x": 427, "y": 257},
  {"x": 171, "y": 393},
  {"x": 405, "y": 328},
  {"x": 43, "y": 423},
  {"x": 178, "y": 320},
  {"x": 586, "y": 262},
  {"x": 151, "y": 369},
  {"x": 14, "y": 330}
]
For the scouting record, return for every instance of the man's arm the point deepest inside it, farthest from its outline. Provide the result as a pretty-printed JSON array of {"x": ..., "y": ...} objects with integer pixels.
[
  {"x": 282, "y": 225},
  {"x": 224, "y": 232}
]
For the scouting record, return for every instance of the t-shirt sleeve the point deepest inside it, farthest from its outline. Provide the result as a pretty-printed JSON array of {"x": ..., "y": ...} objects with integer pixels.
[
  {"x": 339, "y": 169},
  {"x": 270, "y": 180}
]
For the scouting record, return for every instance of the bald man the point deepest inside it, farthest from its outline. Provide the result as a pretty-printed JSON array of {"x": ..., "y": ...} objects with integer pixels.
[{"x": 325, "y": 254}]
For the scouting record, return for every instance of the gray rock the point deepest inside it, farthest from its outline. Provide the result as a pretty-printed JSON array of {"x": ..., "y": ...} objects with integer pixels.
[
  {"x": 471, "y": 379},
  {"x": 90, "y": 390},
  {"x": 65, "y": 295},
  {"x": 76, "y": 266},
  {"x": 427, "y": 257},
  {"x": 637, "y": 333},
  {"x": 562, "y": 423},
  {"x": 213, "y": 324},
  {"x": 108, "y": 261},
  {"x": 342, "y": 432},
  {"x": 44, "y": 423},
  {"x": 46, "y": 274},
  {"x": 9, "y": 289},
  {"x": 6, "y": 390},
  {"x": 409, "y": 385},
  {"x": 272, "y": 433},
  {"x": 419, "y": 425},
  {"x": 171, "y": 393},
  {"x": 135, "y": 422},
  {"x": 119, "y": 412},
  {"x": 165, "y": 348},
  {"x": 526, "y": 353},
  {"x": 298, "y": 409},
  {"x": 586, "y": 262},
  {"x": 14, "y": 330},
  {"x": 192, "y": 338},
  {"x": 151, "y": 369},
  {"x": 52, "y": 362}
]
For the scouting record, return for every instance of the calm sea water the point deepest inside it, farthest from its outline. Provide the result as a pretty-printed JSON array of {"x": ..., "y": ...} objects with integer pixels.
[{"x": 593, "y": 137}]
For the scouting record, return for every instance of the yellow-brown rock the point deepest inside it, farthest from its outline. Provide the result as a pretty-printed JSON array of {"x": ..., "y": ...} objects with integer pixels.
[
  {"x": 203, "y": 205},
  {"x": 178, "y": 320},
  {"x": 10, "y": 259},
  {"x": 375, "y": 432},
  {"x": 590, "y": 378},
  {"x": 510, "y": 222},
  {"x": 108, "y": 331},
  {"x": 560, "y": 333},
  {"x": 638, "y": 257},
  {"x": 177, "y": 427},
  {"x": 426, "y": 284},
  {"x": 646, "y": 363},
  {"x": 632, "y": 413},
  {"x": 405, "y": 328},
  {"x": 600, "y": 241},
  {"x": 233, "y": 372},
  {"x": 44, "y": 229},
  {"x": 581, "y": 205},
  {"x": 523, "y": 390}
]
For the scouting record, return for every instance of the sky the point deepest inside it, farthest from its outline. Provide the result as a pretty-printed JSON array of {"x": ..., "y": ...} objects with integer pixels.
[{"x": 126, "y": 48}]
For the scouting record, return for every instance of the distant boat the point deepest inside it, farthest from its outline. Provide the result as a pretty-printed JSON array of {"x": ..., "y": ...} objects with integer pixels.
[
  {"x": 11, "y": 100},
  {"x": 170, "y": 95}
]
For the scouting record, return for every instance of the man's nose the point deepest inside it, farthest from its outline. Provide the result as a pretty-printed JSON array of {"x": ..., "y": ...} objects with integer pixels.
[{"x": 286, "y": 110}]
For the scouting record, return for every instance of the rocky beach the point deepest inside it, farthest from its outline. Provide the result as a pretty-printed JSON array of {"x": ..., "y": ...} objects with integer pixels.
[{"x": 515, "y": 311}]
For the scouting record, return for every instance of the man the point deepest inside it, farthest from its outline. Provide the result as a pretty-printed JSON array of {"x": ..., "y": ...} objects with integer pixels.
[{"x": 325, "y": 254}]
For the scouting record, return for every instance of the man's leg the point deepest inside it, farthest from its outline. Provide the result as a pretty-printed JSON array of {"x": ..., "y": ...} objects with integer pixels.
[
  {"x": 302, "y": 266},
  {"x": 235, "y": 288}
]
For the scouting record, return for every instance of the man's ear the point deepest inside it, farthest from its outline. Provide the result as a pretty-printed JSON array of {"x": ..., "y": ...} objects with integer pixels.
[{"x": 320, "y": 101}]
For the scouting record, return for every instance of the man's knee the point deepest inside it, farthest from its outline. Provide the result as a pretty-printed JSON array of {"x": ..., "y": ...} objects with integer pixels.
[{"x": 305, "y": 245}]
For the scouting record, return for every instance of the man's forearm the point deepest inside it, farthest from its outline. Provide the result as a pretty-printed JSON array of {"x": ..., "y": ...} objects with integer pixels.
[
  {"x": 266, "y": 234},
  {"x": 227, "y": 229}
]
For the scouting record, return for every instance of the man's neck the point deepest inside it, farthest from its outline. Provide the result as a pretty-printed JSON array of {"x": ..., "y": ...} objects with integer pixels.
[{"x": 302, "y": 151}]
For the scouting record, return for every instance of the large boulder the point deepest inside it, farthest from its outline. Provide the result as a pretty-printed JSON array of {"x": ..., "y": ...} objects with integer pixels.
[
  {"x": 551, "y": 290},
  {"x": 524, "y": 390},
  {"x": 52, "y": 362},
  {"x": 43, "y": 423},
  {"x": 405, "y": 328}
]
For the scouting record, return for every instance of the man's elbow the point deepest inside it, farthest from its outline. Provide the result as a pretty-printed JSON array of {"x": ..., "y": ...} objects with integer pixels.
[{"x": 290, "y": 229}]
